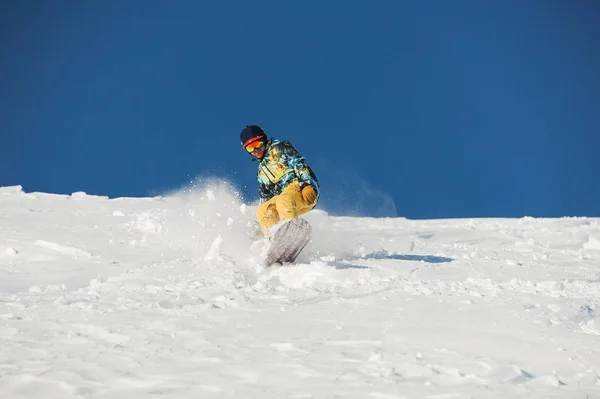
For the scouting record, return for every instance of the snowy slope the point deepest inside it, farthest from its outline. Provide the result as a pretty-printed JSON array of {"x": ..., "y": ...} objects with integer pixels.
[{"x": 115, "y": 298}]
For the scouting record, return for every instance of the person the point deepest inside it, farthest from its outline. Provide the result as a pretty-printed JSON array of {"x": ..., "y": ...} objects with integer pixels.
[{"x": 287, "y": 186}]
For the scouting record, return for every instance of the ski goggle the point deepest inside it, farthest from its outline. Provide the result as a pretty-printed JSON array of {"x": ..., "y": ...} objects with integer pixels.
[{"x": 254, "y": 145}]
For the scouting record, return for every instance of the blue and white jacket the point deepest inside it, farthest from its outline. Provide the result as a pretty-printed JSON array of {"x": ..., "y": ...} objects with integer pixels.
[{"x": 281, "y": 166}]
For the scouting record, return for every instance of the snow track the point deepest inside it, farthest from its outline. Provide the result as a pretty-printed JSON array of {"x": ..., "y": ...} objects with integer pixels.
[{"x": 164, "y": 296}]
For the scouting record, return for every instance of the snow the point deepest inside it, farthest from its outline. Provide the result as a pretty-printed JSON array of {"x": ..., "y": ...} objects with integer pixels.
[{"x": 133, "y": 297}]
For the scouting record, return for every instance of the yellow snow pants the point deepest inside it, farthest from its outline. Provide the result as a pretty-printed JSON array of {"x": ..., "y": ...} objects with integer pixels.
[{"x": 288, "y": 205}]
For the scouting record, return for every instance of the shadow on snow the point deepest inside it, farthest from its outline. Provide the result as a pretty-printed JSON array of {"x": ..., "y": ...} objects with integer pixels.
[
  {"x": 383, "y": 255},
  {"x": 416, "y": 258},
  {"x": 340, "y": 266}
]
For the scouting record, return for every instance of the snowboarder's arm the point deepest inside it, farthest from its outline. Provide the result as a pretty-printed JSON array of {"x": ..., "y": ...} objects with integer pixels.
[
  {"x": 303, "y": 172},
  {"x": 298, "y": 163}
]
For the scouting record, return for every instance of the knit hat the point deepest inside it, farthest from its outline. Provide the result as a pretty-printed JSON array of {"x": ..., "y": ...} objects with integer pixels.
[{"x": 252, "y": 133}]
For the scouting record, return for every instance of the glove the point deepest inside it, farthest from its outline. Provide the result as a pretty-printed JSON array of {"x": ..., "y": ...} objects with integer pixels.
[{"x": 309, "y": 195}]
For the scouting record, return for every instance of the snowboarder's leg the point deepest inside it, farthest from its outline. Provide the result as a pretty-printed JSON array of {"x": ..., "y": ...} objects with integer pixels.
[
  {"x": 288, "y": 205},
  {"x": 292, "y": 204},
  {"x": 267, "y": 215},
  {"x": 280, "y": 207}
]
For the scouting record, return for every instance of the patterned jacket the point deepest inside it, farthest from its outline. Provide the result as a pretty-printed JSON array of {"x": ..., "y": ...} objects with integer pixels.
[{"x": 280, "y": 166}]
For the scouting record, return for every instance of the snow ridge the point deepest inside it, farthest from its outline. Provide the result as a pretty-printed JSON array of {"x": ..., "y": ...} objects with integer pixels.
[{"x": 167, "y": 296}]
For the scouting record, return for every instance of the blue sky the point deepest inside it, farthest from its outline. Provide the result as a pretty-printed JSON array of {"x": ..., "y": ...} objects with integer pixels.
[{"x": 424, "y": 109}]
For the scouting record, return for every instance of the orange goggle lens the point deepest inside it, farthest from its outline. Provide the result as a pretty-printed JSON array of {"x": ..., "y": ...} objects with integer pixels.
[{"x": 255, "y": 145}]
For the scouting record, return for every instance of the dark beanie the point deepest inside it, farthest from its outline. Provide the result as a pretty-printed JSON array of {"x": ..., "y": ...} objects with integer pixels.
[{"x": 251, "y": 132}]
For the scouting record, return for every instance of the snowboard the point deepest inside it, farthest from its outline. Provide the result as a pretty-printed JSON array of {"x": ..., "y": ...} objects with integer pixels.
[{"x": 288, "y": 241}]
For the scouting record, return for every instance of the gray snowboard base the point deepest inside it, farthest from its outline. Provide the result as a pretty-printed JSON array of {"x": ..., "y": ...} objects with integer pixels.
[{"x": 288, "y": 241}]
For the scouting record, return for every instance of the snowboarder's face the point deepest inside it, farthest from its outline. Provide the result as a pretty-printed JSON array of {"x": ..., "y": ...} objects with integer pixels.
[
  {"x": 259, "y": 153},
  {"x": 257, "y": 149}
]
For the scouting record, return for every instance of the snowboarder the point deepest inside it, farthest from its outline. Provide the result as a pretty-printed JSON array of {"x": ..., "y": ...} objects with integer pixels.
[{"x": 287, "y": 185}]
